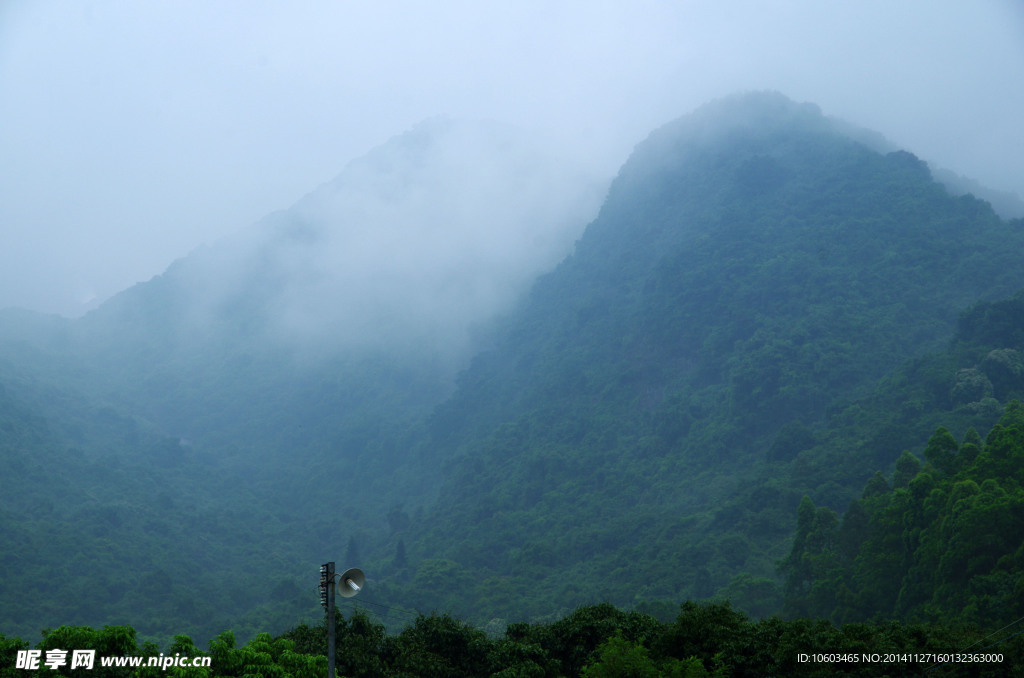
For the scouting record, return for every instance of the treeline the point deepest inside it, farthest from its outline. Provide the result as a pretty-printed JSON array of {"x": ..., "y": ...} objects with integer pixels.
[{"x": 705, "y": 639}]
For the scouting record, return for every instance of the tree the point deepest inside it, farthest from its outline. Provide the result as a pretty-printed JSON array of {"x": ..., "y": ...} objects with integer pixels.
[
  {"x": 941, "y": 451},
  {"x": 618, "y": 658}
]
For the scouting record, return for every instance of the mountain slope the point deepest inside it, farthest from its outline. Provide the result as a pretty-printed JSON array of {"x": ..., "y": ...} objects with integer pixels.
[
  {"x": 315, "y": 338},
  {"x": 272, "y": 381},
  {"x": 955, "y": 509},
  {"x": 730, "y": 333},
  {"x": 103, "y": 520},
  {"x": 634, "y": 433}
]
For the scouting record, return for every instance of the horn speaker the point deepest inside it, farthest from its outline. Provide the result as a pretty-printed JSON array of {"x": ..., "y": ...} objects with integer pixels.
[{"x": 351, "y": 582}]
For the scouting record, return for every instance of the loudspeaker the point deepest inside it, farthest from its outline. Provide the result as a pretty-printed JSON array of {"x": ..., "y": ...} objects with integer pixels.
[{"x": 351, "y": 582}]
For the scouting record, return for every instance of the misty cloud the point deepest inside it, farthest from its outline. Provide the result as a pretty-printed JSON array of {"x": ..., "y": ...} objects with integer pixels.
[
  {"x": 133, "y": 132},
  {"x": 415, "y": 243}
]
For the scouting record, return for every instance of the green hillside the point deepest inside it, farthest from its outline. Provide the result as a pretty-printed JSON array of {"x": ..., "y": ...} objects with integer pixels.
[
  {"x": 645, "y": 425},
  {"x": 769, "y": 308},
  {"x": 263, "y": 395},
  {"x": 940, "y": 540},
  {"x": 106, "y": 520}
]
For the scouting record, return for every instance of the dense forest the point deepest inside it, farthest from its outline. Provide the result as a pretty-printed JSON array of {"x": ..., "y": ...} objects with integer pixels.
[
  {"x": 599, "y": 641},
  {"x": 780, "y": 369}
]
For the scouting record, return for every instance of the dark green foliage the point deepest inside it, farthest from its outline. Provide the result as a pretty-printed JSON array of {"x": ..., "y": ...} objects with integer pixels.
[
  {"x": 440, "y": 646},
  {"x": 703, "y": 640},
  {"x": 791, "y": 440},
  {"x": 573, "y": 641},
  {"x": 942, "y": 544},
  {"x": 618, "y": 657},
  {"x": 943, "y": 541},
  {"x": 941, "y": 451},
  {"x": 999, "y": 323}
]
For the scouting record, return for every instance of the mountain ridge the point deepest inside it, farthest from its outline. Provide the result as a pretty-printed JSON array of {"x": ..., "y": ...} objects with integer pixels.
[
  {"x": 639, "y": 427},
  {"x": 732, "y": 284}
]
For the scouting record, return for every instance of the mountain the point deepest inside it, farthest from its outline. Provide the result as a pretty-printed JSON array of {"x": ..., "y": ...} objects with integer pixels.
[
  {"x": 281, "y": 373},
  {"x": 369, "y": 289},
  {"x": 443, "y": 367},
  {"x": 646, "y": 422}
]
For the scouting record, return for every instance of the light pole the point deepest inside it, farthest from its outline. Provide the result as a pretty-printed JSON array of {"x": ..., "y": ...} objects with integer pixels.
[{"x": 352, "y": 582}]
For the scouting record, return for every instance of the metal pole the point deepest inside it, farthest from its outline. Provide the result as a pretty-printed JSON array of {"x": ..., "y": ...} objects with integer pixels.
[{"x": 330, "y": 619}]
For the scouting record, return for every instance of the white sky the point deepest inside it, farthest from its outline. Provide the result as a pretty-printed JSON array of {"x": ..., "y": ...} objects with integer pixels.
[{"x": 132, "y": 131}]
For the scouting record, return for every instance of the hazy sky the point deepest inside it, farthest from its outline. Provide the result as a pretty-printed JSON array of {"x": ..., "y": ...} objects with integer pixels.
[{"x": 131, "y": 132}]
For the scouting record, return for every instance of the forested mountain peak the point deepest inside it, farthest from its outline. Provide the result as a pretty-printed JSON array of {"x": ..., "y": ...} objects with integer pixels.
[
  {"x": 748, "y": 211},
  {"x": 661, "y": 397},
  {"x": 767, "y": 116},
  {"x": 758, "y": 146}
]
